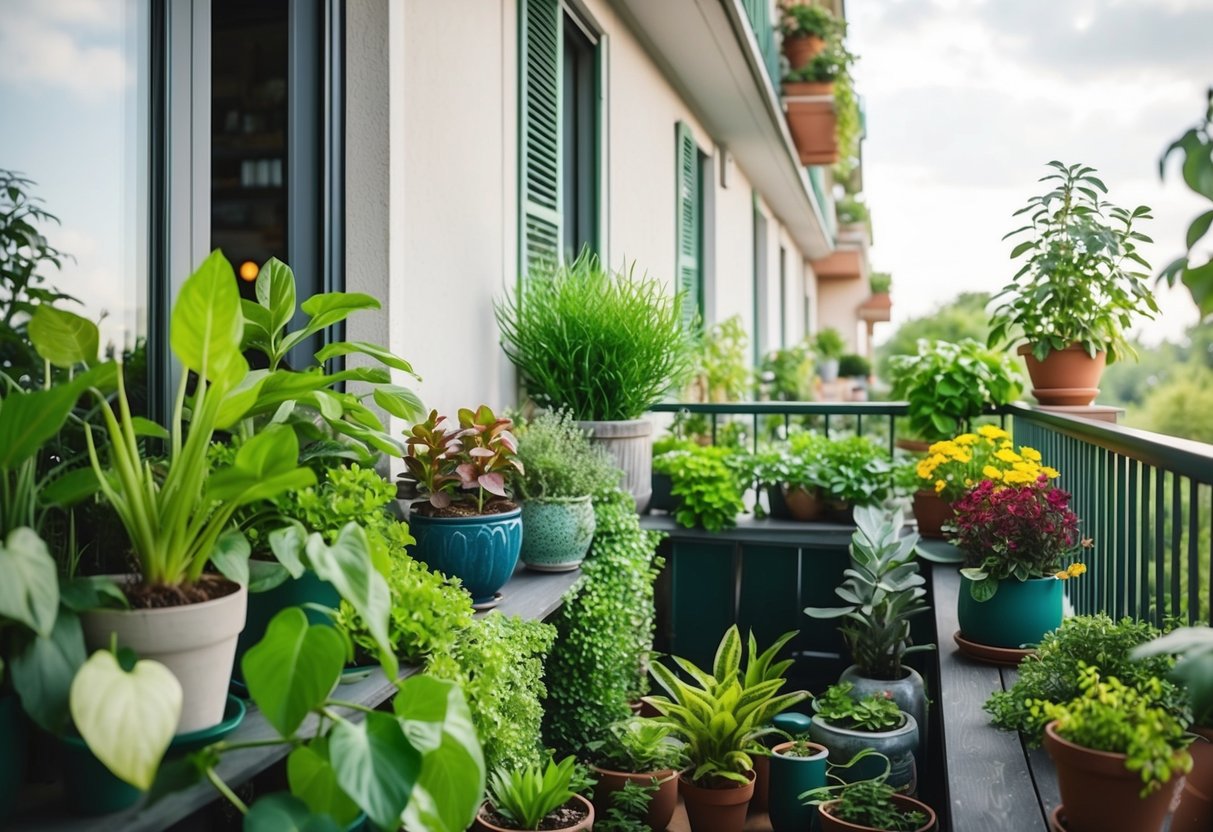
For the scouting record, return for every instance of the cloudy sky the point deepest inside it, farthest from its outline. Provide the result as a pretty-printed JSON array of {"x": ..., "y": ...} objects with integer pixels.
[{"x": 967, "y": 99}]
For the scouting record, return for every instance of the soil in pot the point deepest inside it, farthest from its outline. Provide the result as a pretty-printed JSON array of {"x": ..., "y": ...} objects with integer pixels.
[
  {"x": 1100, "y": 794},
  {"x": 576, "y": 815},
  {"x": 1065, "y": 377},
  {"x": 829, "y": 823},
  {"x": 716, "y": 810},
  {"x": 661, "y": 805}
]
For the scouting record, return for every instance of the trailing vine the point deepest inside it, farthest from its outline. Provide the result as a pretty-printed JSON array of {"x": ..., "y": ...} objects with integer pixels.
[{"x": 604, "y": 630}]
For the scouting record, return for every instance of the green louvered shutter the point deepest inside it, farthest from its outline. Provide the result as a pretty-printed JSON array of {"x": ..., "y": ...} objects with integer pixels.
[
  {"x": 540, "y": 45},
  {"x": 688, "y": 265}
]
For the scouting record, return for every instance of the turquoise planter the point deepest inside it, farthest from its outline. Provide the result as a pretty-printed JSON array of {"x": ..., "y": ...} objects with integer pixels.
[
  {"x": 12, "y": 752},
  {"x": 481, "y": 551},
  {"x": 1019, "y": 614},
  {"x": 790, "y": 778},
  {"x": 263, "y": 606},
  {"x": 556, "y": 534}
]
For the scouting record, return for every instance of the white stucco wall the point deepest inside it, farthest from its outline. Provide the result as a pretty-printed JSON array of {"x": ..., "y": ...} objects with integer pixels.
[{"x": 838, "y": 301}]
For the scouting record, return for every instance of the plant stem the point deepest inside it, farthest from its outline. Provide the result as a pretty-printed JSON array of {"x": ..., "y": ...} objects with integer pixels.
[{"x": 224, "y": 790}]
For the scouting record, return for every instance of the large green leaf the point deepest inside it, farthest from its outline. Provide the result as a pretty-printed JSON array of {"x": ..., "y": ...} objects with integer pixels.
[
  {"x": 438, "y": 723},
  {"x": 348, "y": 567},
  {"x": 29, "y": 588},
  {"x": 43, "y": 670},
  {"x": 207, "y": 323},
  {"x": 399, "y": 401},
  {"x": 231, "y": 556},
  {"x": 29, "y": 419},
  {"x": 292, "y": 670},
  {"x": 265, "y": 466},
  {"x": 238, "y": 401},
  {"x": 127, "y": 719},
  {"x": 328, "y": 309},
  {"x": 275, "y": 290},
  {"x": 281, "y": 812},
  {"x": 314, "y": 781},
  {"x": 375, "y": 351},
  {"x": 376, "y": 766},
  {"x": 63, "y": 338}
]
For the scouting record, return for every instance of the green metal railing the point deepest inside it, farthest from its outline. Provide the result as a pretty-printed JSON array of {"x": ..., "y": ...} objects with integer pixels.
[{"x": 759, "y": 14}]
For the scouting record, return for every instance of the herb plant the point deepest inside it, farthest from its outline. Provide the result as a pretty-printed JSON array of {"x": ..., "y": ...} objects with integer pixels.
[
  {"x": 628, "y": 810},
  {"x": 869, "y": 804},
  {"x": 1078, "y": 283},
  {"x": 638, "y": 746},
  {"x": 1196, "y": 147},
  {"x": 605, "y": 624},
  {"x": 710, "y": 482},
  {"x": 882, "y": 591},
  {"x": 875, "y": 712},
  {"x": 455, "y": 467},
  {"x": 1081, "y": 641},
  {"x": 1109, "y": 716},
  {"x": 526, "y": 795},
  {"x": 1021, "y": 532},
  {"x": 559, "y": 460},
  {"x": 947, "y": 385},
  {"x": 856, "y": 471},
  {"x": 604, "y": 346}
]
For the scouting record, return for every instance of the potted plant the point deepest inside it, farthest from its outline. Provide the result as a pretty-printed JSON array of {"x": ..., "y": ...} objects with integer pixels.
[
  {"x": 847, "y": 725},
  {"x": 662, "y": 498},
  {"x": 882, "y": 591},
  {"x": 638, "y": 751},
  {"x": 812, "y": 105},
  {"x": 854, "y": 472},
  {"x": 721, "y": 720},
  {"x": 533, "y": 797},
  {"x": 1019, "y": 544},
  {"x": 807, "y": 30},
  {"x": 177, "y": 514},
  {"x": 1120, "y": 755},
  {"x": 787, "y": 373},
  {"x": 830, "y": 348},
  {"x": 604, "y": 346},
  {"x": 797, "y": 766},
  {"x": 854, "y": 366},
  {"x": 1078, "y": 288},
  {"x": 467, "y": 526},
  {"x": 562, "y": 469},
  {"x": 708, "y": 483},
  {"x": 870, "y": 805}
]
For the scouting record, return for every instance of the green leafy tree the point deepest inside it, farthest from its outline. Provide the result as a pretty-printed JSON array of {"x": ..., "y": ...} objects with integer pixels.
[{"x": 1181, "y": 405}]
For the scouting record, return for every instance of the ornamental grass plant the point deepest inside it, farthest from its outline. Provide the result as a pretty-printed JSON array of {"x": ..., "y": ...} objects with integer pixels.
[{"x": 604, "y": 345}]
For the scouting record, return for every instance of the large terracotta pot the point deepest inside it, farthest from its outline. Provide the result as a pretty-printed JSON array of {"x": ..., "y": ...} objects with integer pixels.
[
  {"x": 661, "y": 805},
  {"x": 196, "y": 642},
  {"x": 630, "y": 443},
  {"x": 1065, "y": 377},
  {"x": 716, "y": 810},
  {"x": 762, "y": 783},
  {"x": 1195, "y": 810},
  {"x": 812, "y": 122},
  {"x": 801, "y": 49},
  {"x": 829, "y": 823},
  {"x": 932, "y": 512},
  {"x": 482, "y": 824},
  {"x": 1100, "y": 794},
  {"x": 1019, "y": 614},
  {"x": 803, "y": 504}
]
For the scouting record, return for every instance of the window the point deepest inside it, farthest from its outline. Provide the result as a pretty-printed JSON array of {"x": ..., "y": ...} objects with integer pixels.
[
  {"x": 689, "y": 222},
  {"x": 579, "y": 128}
]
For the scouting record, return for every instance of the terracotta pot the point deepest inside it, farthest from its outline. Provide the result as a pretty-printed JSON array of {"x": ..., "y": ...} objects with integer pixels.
[
  {"x": 932, "y": 512},
  {"x": 662, "y": 804},
  {"x": 196, "y": 642},
  {"x": 803, "y": 504},
  {"x": 716, "y": 810},
  {"x": 1065, "y": 377},
  {"x": 829, "y": 823},
  {"x": 1195, "y": 810},
  {"x": 801, "y": 49},
  {"x": 762, "y": 783},
  {"x": 812, "y": 121},
  {"x": 1099, "y": 793},
  {"x": 587, "y": 822},
  {"x": 918, "y": 446}
]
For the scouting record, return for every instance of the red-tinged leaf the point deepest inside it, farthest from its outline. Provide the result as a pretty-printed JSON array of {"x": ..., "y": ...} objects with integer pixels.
[
  {"x": 467, "y": 474},
  {"x": 493, "y": 483},
  {"x": 509, "y": 441},
  {"x": 440, "y": 499}
]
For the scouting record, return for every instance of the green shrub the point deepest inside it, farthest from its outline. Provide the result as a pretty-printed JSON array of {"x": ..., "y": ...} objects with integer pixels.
[
  {"x": 605, "y": 627},
  {"x": 829, "y": 343},
  {"x": 853, "y": 366},
  {"x": 604, "y": 346},
  {"x": 789, "y": 372},
  {"x": 710, "y": 482},
  {"x": 559, "y": 461},
  {"x": 722, "y": 372},
  {"x": 855, "y": 470},
  {"x": 498, "y": 662}
]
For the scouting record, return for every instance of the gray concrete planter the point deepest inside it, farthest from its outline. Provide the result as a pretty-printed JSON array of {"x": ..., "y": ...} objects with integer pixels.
[
  {"x": 898, "y": 744},
  {"x": 556, "y": 533},
  {"x": 630, "y": 443},
  {"x": 909, "y": 692}
]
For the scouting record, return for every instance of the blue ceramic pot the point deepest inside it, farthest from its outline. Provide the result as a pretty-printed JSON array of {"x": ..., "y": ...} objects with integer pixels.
[
  {"x": 898, "y": 744},
  {"x": 481, "y": 551},
  {"x": 1019, "y": 614}
]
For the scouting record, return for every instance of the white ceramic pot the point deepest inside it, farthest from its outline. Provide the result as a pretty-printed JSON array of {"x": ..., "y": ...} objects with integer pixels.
[
  {"x": 197, "y": 642},
  {"x": 631, "y": 445}
]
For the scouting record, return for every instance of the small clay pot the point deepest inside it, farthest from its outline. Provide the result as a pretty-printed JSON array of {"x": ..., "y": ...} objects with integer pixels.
[
  {"x": 829, "y": 823},
  {"x": 662, "y": 803},
  {"x": 1066, "y": 377},
  {"x": 802, "y": 49},
  {"x": 716, "y": 810},
  {"x": 932, "y": 512},
  {"x": 586, "y": 823},
  {"x": 803, "y": 504}
]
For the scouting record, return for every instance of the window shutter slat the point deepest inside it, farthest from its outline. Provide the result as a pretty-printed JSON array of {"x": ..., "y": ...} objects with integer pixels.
[
  {"x": 540, "y": 44},
  {"x": 688, "y": 224}
]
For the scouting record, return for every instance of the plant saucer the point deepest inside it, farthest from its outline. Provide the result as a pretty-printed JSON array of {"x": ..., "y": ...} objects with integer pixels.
[
  {"x": 488, "y": 605},
  {"x": 1003, "y": 656},
  {"x": 233, "y": 715},
  {"x": 1057, "y": 820}
]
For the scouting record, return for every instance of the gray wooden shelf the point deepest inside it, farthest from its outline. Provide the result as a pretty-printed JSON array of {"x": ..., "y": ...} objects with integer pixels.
[
  {"x": 752, "y": 529},
  {"x": 529, "y": 595}
]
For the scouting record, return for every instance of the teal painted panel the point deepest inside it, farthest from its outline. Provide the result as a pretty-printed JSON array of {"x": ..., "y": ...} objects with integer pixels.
[
  {"x": 701, "y": 595},
  {"x": 821, "y": 571},
  {"x": 770, "y": 592}
]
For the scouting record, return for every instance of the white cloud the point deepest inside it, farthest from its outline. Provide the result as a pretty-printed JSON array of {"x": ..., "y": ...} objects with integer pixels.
[{"x": 66, "y": 45}]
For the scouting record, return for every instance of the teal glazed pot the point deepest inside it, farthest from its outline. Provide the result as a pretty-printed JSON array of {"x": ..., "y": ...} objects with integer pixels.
[
  {"x": 481, "y": 551},
  {"x": 556, "y": 534},
  {"x": 12, "y": 752},
  {"x": 790, "y": 778},
  {"x": 308, "y": 588},
  {"x": 1019, "y": 614},
  {"x": 898, "y": 744}
]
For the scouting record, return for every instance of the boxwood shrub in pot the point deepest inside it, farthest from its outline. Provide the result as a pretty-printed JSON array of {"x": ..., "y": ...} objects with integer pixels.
[
  {"x": 562, "y": 469},
  {"x": 604, "y": 346},
  {"x": 466, "y": 525}
]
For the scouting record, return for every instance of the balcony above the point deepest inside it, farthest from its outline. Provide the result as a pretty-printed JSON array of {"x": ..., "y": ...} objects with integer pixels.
[
  {"x": 876, "y": 309},
  {"x": 709, "y": 52}
]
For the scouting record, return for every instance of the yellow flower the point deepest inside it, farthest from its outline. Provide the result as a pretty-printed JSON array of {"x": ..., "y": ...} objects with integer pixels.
[
  {"x": 940, "y": 485},
  {"x": 962, "y": 456},
  {"x": 1006, "y": 443},
  {"x": 992, "y": 432},
  {"x": 1077, "y": 569},
  {"x": 1017, "y": 478},
  {"x": 1007, "y": 455},
  {"x": 1029, "y": 453},
  {"x": 991, "y": 473},
  {"x": 1051, "y": 473},
  {"x": 966, "y": 439},
  {"x": 1062, "y": 575}
]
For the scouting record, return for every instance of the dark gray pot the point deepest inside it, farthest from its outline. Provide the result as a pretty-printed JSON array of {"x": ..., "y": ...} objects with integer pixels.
[
  {"x": 910, "y": 693},
  {"x": 898, "y": 744}
]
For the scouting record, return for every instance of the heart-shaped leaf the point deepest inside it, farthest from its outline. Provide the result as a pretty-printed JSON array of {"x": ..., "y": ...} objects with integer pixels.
[
  {"x": 63, "y": 338},
  {"x": 29, "y": 590},
  {"x": 275, "y": 290},
  {"x": 376, "y": 766},
  {"x": 127, "y": 719},
  {"x": 281, "y": 812},
  {"x": 292, "y": 670},
  {"x": 314, "y": 781},
  {"x": 43, "y": 670},
  {"x": 231, "y": 556}
]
